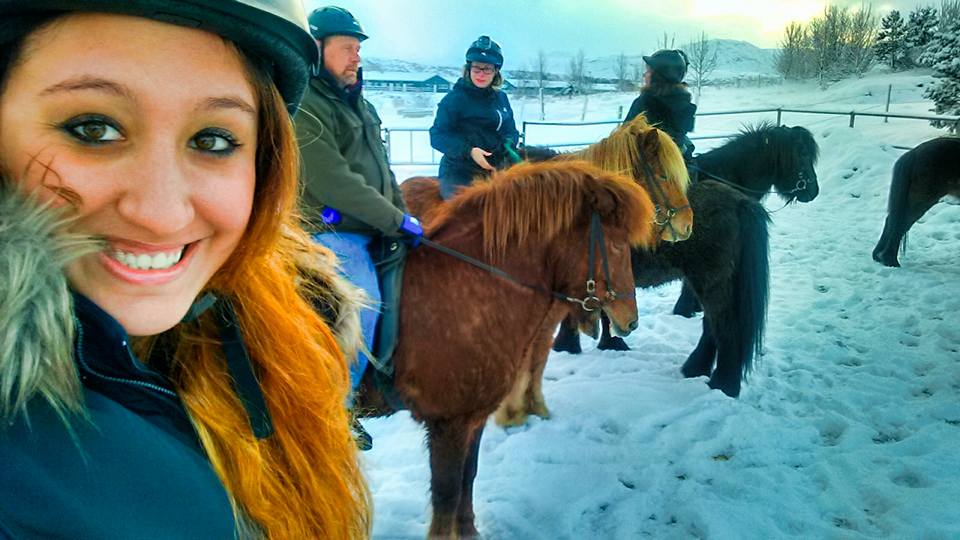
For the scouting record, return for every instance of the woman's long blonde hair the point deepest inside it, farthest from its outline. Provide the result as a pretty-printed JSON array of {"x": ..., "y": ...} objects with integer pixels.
[{"x": 304, "y": 481}]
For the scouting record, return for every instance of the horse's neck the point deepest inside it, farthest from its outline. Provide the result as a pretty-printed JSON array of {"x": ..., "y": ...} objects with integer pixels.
[{"x": 743, "y": 167}]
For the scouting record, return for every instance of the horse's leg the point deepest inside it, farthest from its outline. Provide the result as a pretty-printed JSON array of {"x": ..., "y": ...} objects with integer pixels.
[
  {"x": 535, "y": 404},
  {"x": 895, "y": 228},
  {"x": 700, "y": 361},
  {"x": 526, "y": 398},
  {"x": 465, "y": 516},
  {"x": 607, "y": 341},
  {"x": 512, "y": 410},
  {"x": 568, "y": 338},
  {"x": 687, "y": 305},
  {"x": 449, "y": 440}
]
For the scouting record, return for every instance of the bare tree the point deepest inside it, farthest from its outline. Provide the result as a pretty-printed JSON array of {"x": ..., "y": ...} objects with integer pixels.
[
  {"x": 575, "y": 73},
  {"x": 794, "y": 59},
  {"x": 621, "y": 70},
  {"x": 827, "y": 43},
  {"x": 858, "y": 43},
  {"x": 638, "y": 70},
  {"x": 702, "y": 54},
  {"x": 668, "y": 41},
  {"x": 540, "y": 69}
]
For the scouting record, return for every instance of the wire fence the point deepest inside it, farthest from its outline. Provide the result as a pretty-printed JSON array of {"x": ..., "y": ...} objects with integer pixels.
[{"x": 414, "y": 148}]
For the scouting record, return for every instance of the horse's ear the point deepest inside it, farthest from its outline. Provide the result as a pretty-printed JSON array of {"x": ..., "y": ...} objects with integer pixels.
[
  {"x": 603, "y": 201},
  {"x": 651, "y": 141}
]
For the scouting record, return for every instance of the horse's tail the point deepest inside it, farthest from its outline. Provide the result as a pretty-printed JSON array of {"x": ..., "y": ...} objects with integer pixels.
[
  {"x": 752, "y": 280},
  {"x": 897, "y": 205}
]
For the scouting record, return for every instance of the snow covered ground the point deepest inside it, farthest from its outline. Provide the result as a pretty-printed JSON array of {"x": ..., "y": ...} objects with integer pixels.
[{"x": 848, "y": 429}]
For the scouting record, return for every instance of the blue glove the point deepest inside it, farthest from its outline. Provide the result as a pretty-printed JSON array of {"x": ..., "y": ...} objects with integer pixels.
[
  {"x": 330, "y": 216},
  {"x": 412, "y": 230}
]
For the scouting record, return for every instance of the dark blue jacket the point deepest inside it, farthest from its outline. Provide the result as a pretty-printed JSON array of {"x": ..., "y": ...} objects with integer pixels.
[
  {"x": 135, "y": 469},
  {"x": 670, "y": 111},
  {"x": 471, "y": 117}
]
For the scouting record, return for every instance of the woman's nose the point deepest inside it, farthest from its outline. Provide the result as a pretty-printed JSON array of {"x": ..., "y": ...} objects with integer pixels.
[{"x": 158, "y": 194}]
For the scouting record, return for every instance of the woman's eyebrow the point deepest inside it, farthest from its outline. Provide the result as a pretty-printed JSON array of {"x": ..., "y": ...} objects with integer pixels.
[
  {"x": 228, "y": 102},
  {"x": 89, "y": 83}
]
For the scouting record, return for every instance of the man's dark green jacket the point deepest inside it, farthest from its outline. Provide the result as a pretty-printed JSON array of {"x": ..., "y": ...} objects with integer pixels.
[{"x": 345, "y": 164}]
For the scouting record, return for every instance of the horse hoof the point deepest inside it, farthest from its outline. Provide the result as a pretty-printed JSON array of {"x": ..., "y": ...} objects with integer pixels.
[
  {"x": 540, "y": 411},
  {"x": 886, "y": 260},
  {"x": 731, "y": 390},
  {"x": 572, "y": 347},
  {"x": 510, "y": 419},
  {"x": 613, "y": 344}
]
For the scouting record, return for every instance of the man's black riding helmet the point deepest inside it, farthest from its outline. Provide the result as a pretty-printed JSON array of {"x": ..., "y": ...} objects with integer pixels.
[
  {"x": 271, "y": 31},
  {"x": 335, "y": 21}
]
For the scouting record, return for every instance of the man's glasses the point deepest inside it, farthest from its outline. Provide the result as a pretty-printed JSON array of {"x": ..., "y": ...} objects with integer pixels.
[{"x": 485, "y": 70}]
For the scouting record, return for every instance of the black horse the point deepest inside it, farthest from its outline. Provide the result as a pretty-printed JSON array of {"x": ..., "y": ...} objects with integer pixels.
[
  {"x": 761, "y": 157},
  {"x": 921, "y": 177},
  {"x": 726, "y": 263}
]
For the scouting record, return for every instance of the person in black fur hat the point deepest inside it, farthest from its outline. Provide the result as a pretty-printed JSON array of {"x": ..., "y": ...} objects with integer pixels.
[{"x": 664, "y": 99}]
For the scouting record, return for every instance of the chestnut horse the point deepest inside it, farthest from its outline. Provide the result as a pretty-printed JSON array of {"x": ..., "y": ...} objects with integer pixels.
[
  {"x": 921, "y": 177},
  {"x": 467, "y": 334}
]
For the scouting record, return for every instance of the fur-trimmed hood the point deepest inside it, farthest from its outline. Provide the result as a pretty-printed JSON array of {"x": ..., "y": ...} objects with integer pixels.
[{"x": 37, "y": 324}]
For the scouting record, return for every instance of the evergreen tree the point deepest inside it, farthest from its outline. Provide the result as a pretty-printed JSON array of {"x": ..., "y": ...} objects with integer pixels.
[
  {"x": 921, "y": 28},
  {"x": 891, "y": 46},
  {"x": 943, "y": 53}
]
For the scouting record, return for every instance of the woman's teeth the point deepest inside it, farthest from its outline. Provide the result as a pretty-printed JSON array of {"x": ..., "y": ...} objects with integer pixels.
[{"x": 159, "y": 261}]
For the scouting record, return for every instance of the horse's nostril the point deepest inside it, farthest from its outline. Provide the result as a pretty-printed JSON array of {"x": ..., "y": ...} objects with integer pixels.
[{"x": 633, "y": 325}]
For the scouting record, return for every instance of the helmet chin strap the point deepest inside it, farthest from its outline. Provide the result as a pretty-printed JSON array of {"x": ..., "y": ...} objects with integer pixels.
[{"x": 241, "y": 369}]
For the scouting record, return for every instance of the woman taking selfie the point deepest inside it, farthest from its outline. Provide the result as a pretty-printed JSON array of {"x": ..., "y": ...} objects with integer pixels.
[{"x": 162, "y": 372}]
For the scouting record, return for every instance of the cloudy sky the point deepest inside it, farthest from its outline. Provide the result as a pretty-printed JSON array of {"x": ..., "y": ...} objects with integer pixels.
[{"x": 439, "y": 31}]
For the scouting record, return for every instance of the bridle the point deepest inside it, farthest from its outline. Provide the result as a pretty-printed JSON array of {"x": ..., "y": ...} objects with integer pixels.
[
  {"x": 590, "y": 302},
  {"x": 663, "y": 211}
]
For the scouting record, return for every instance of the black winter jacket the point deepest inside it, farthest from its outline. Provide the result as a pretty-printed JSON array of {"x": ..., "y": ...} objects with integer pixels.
[
  {"x": 671, "y": 112},
  {"x": 134, "y": 470},
  {"x": 133, "y": 467},
  {"x": 470, "y": 117}
]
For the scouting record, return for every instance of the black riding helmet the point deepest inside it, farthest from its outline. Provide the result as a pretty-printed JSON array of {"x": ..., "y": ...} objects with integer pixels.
[
  {"x": 485, "y": 50},
  {"x": 334, "y": 21},
  {"x": 669, "y": 64},
  {"x": 270, "y": 31}
]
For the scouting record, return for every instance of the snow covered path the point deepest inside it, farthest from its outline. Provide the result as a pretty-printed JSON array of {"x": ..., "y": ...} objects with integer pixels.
[{"x": 849, "y": 428}]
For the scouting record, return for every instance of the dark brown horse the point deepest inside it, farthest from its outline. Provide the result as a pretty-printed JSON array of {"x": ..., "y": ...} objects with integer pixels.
[
  {"x": 921, "y": 177},
  {"x": 466, "y": 335},
  {"x": 762, "y": 157},
  {"x": 726, "y": 261}
]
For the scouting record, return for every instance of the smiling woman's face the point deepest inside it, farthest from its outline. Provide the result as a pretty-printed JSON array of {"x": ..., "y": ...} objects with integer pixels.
[{"x": 153, "y": 128}]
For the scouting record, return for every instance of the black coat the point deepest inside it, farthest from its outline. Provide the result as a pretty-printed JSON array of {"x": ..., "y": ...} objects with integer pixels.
[
  {"x": 135, "y": 469},
  {"x": 671, "y": 112},
  {"x": 470, "y": 117}
]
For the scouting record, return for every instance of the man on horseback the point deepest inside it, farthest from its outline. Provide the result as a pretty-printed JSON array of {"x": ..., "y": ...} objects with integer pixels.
[
  {"x": 351, "y": 201},
  {"x": 664, "y": 98}
]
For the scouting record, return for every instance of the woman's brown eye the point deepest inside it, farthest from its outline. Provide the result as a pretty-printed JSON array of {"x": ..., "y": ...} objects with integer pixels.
[
  {"x": 92, "y": 129},
  {"x": 215, "y": 141}
]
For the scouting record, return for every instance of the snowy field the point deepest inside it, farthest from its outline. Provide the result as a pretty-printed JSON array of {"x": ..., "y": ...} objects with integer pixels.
[{"x": 850, "y": 426}]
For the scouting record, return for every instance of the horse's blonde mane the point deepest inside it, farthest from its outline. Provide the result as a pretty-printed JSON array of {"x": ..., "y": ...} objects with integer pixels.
[
  {"x": 536, "y": 202},
  {"x": 620, "y": 153}
]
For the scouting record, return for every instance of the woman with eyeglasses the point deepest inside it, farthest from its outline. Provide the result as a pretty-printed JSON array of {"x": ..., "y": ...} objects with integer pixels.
[
  {"x": 474, "y": 127},
  {"x": 664, "y": 99},
  {"x": 163, "y": 373}
]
